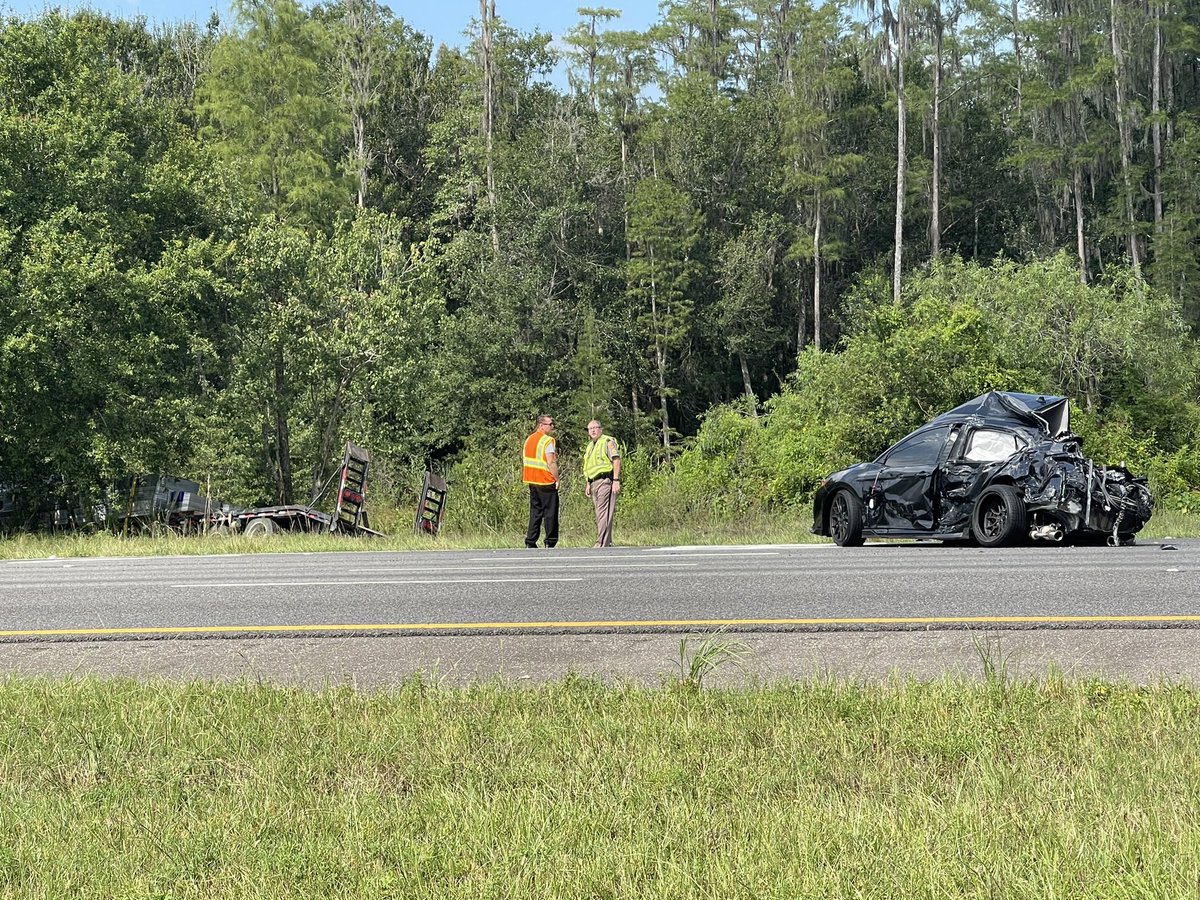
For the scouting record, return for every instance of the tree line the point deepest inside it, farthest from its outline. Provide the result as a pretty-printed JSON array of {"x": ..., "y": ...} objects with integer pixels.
[{"x": 225, "y": 249}]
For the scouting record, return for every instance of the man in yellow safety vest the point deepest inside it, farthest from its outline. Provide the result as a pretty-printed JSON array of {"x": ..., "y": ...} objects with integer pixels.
[
  {"x": 602, "y": 468},
  {"x": 540, "y": 472}
]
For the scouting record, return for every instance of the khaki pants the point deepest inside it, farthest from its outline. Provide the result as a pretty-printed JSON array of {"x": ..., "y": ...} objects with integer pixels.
[{"x": 605, "y": 502}]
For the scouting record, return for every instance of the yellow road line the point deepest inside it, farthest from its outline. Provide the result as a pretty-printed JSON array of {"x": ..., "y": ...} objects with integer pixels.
[{"x": 614, "y": 623}]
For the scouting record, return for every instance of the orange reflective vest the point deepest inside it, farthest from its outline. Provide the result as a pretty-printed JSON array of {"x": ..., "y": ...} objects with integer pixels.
[{"x": 537, "y": 470}]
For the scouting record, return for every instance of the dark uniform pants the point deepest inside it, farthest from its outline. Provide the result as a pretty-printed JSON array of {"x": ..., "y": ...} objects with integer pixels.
[{"x": 543, "y": 508}]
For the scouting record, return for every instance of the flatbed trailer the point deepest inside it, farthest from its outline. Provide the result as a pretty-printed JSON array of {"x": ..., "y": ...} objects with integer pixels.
[
  {"x": 270, "y": 519},
  {"x": 348, "y": 516},
  {"x": 141, "y": 502}
]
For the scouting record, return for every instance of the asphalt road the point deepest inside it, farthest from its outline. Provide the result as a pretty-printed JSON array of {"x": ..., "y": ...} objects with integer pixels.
[{"x": 373, "y": 618}]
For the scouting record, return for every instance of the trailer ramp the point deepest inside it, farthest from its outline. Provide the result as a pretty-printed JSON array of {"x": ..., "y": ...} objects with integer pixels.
[{"x": 349, "y": 516}]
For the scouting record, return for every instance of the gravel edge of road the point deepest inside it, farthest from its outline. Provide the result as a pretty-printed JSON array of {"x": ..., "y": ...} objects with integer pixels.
[{"x": 376, "y": 662}]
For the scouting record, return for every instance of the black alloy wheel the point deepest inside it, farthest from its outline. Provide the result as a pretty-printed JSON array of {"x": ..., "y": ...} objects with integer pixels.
[
  {"x": 845, "y": 519},
  {"x": 999, "y": 516}
]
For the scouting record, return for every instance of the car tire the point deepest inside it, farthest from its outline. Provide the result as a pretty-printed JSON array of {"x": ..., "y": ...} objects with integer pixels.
[
  {"x": 999, "y": 516},
  {"x": 257, "y": 527},
  {"x": 846, "y": 519}
]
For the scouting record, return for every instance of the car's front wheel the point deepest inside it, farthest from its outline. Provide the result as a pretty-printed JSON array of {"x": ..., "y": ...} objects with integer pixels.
[
  {"x": 845, "y": 519},
  {"x": 999, "y": 516}
]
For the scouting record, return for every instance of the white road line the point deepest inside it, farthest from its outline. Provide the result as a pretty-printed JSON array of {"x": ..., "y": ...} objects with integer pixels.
[
  {"x": 614, "y": 563},
  {"x": 74, "y": 560},
  {"x": 617, "y": 552},
  {"x": 541, "y": 565},
  {"x": 437, "y": 570},
  {"x": 741, "y": 548},
  {"x": 643, "y": 555},
  {"x": 342, "y": 581}
]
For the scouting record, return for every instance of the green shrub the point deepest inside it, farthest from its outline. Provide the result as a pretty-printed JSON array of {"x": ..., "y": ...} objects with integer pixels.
[
  {"x": 721, "y": 472},
  {"x": 485, "y": 490}
]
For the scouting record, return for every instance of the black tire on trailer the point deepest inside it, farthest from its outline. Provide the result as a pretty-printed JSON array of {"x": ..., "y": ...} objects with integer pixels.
[
  {"x": 999, "y": 516},
  {"x": 846, "y": 519},
  {"x": 260, "y": 526}
]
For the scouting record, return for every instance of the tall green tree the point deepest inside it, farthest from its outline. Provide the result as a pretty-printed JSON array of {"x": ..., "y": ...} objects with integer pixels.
[
  {"x": 380, "y": 74},
  {"x": 817, "y": 168},
  {"x": 747, "y": 271},
  {"x": 1176, "y": 245},
  {"x": 1062, "y": 147},
  {"x": 269, "y": 110},
  {"x": 109, "y": 308},
  {"x": 701, "y": 37},
  {"x": 371, "y": 367},
  {"x": 586, "y": 49},
  {"x": 664, "y": 229},
  {"x": 888, "y": 38}
]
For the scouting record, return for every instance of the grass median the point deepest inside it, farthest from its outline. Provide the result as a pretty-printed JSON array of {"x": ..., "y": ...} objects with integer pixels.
[{"x": 579, "y": 789}]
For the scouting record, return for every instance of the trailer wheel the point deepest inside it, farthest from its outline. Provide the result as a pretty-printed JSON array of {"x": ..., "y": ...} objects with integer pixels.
[{"x": 256, "y": 527}]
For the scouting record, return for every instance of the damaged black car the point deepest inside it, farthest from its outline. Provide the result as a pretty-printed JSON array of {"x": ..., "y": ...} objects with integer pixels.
[{"x": 997, "y": 470}]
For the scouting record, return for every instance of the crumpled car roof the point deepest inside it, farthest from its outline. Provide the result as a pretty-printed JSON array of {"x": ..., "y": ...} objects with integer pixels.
[{"x": 1045, "y": 412}]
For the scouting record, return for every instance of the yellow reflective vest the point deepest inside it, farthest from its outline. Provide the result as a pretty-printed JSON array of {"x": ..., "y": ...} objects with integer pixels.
[{"x": 595, "y": 458}]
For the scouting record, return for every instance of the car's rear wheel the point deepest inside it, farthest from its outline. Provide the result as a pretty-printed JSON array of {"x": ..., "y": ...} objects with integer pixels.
[
  {"x": 999, "y": 516},
  {"x": 845, "y": 519}
]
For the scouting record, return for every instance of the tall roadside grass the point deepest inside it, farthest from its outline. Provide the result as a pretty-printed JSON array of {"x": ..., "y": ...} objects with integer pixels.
[
  {"x": 1172, "y": 523},
  {"x": 576, "y": 789},
  {"x": 574, "y": 532},
  {"x": 754, "y": 527}
]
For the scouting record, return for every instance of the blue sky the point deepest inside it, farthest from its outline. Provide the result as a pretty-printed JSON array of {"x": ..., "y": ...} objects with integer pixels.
[{"x": 442, "y": 20}]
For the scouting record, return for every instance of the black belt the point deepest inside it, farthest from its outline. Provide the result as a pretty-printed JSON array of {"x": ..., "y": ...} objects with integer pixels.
[{"x": 600, "y": 478}]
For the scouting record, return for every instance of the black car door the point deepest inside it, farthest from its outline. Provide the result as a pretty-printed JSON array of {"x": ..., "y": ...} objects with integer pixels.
[
  {"x": 904, "y": 487},
  {"x": 981, "y": 451}
]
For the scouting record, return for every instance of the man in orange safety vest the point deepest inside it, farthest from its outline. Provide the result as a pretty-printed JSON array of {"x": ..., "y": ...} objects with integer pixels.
[{"x": 540, "y": 472}]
